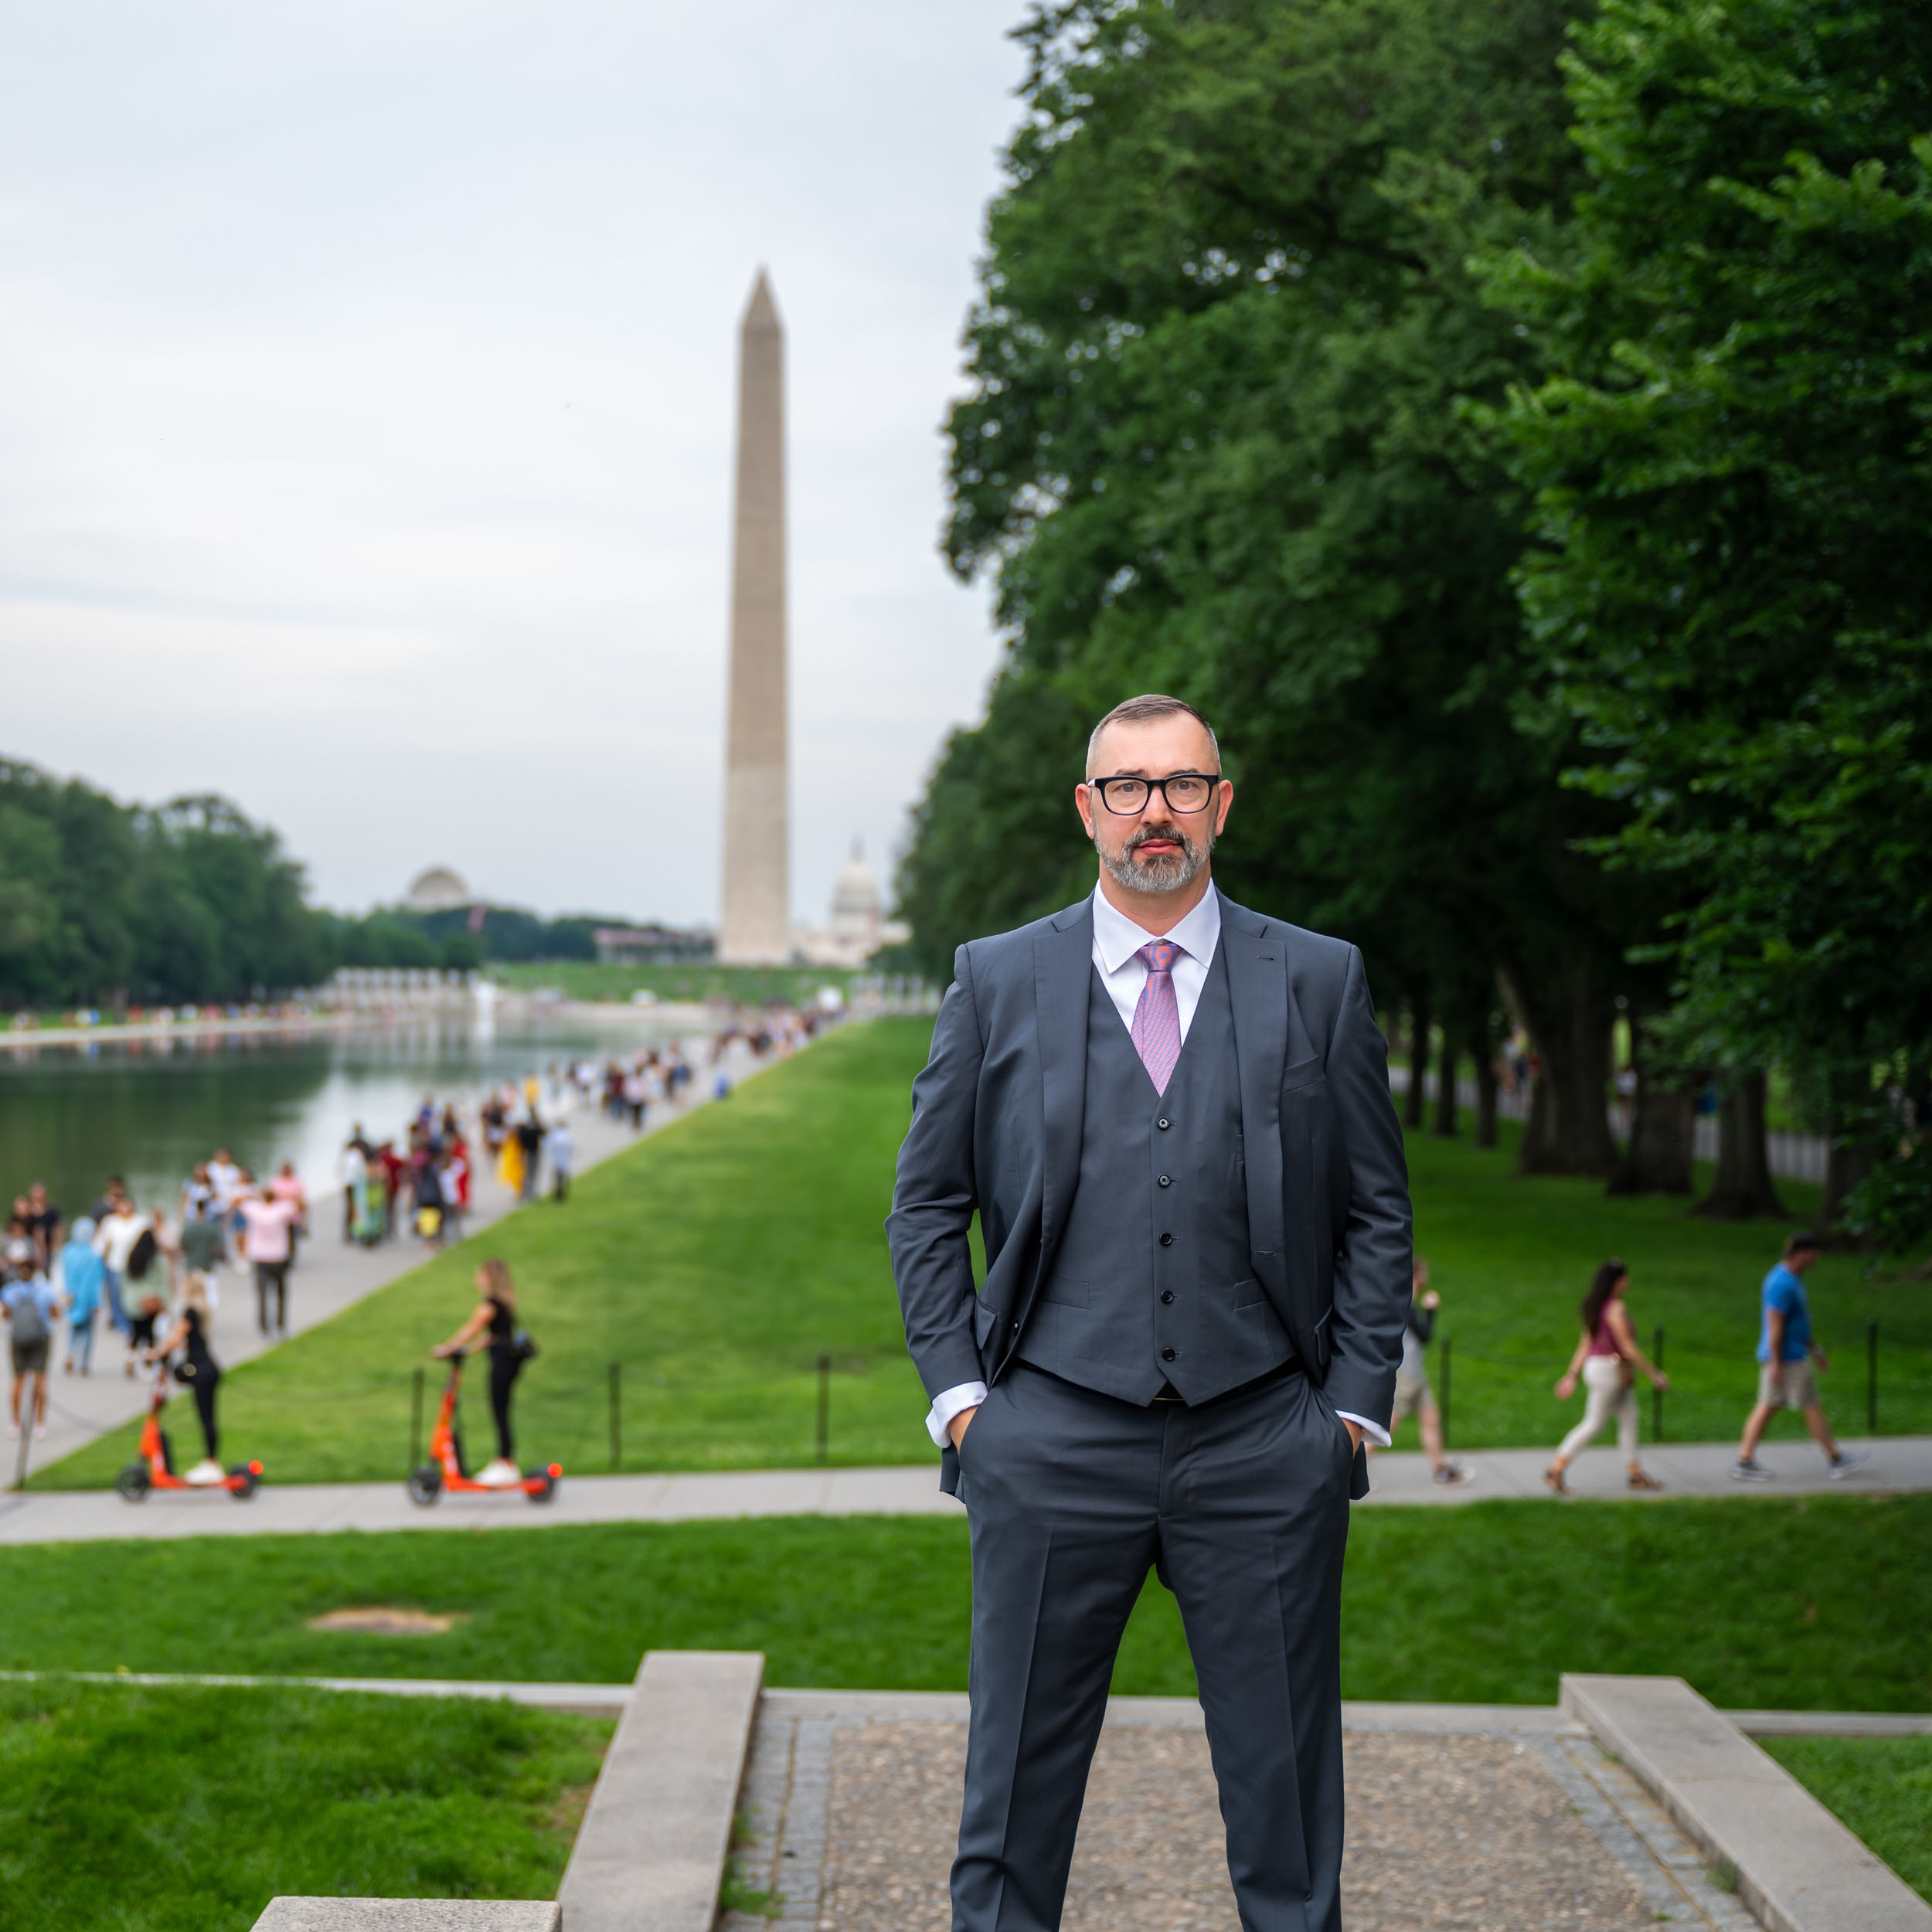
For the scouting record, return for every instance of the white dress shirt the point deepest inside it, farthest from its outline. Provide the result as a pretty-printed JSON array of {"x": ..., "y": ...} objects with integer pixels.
[{"x": 1117, "y": 941}]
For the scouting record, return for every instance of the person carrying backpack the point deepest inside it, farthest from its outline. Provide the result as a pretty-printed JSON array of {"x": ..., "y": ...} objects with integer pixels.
[{"x": 31, "y": 1303}]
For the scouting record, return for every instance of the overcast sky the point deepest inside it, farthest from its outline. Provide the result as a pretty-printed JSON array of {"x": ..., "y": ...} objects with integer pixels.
[{"x": 367, "y": 390}]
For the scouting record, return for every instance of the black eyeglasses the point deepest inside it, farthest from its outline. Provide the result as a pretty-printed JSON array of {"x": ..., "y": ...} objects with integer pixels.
[{"x": 1185, "y": 791}]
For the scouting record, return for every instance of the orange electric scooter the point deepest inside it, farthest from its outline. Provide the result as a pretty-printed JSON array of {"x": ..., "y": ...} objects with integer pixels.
[
  {"x": 154, "y": 1468},
  {"x": 444, "y": 1470}
]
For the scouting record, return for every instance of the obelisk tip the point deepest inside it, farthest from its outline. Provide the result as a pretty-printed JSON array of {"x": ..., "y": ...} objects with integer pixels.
[{"x": 761, "y": 312}]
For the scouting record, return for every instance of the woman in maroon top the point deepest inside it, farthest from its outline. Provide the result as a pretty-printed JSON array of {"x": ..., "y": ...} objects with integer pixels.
[{"x": 1609, "y": 1360}]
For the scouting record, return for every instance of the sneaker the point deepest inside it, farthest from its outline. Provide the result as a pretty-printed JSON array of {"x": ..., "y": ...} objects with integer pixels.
[
  {"x": 39, "y": 1432},
  {"x": 13, "y": 1432},
  {"x": 1752, "y": 1471},
  {"x": 499, "y": 1474},
  {"x": 1449, "y": 1475},
  {"x": 1848, "y": 1460},
  {"x": 206, "y": 1472}
]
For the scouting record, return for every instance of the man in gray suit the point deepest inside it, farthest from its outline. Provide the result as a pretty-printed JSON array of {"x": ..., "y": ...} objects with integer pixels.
[{"x": 1172, "y": 1118}]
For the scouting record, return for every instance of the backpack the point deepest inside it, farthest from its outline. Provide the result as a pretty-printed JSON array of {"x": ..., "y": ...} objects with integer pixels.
[
  {"x": 141, "y": 1257},
  {"x": 29, "y": 1325}
]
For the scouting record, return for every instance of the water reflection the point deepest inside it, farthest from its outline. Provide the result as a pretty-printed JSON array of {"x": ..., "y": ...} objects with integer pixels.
[{"x": 150, "y": 1108}]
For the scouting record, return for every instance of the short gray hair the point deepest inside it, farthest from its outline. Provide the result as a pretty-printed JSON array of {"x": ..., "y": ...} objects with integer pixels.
[{"x": 1144, "y": 710}]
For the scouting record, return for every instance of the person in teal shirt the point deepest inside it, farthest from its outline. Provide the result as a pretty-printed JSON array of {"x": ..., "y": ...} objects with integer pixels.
[{"x": 1786, "y": 1352}]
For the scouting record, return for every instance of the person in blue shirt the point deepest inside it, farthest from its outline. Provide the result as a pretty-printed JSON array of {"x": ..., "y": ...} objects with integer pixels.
[
  {"x": 29, "y": 1304},
  {"x": 1786, "y": 1352},
  {"x": 82, "y": 1279}
]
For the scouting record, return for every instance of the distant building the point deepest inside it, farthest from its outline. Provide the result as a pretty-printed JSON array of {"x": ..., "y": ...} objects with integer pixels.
[
  {"x": 858, "y": 927},
  {"x": 650, "y": 945},
  {"x": 437, "y": 890}
]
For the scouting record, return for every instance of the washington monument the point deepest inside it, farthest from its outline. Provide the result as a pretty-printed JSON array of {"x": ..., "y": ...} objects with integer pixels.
[{"x": 756, "y": 927}]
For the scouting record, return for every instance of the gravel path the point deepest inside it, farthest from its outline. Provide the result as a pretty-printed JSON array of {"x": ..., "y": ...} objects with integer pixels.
[{"x": 1446, "y": 1834}]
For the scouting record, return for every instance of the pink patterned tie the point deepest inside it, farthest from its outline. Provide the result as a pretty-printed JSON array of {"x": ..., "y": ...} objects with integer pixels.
[{"x": 1156, "y": 1017}]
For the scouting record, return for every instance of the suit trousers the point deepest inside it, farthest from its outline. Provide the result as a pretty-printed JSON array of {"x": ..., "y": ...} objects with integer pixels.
[{"x": 1242, "y": 1505}]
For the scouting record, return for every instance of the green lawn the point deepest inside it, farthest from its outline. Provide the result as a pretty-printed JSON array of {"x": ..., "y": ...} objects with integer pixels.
[
  {"x": 701, "y": 980},
  {"x": 1881, "y": 1787},
  {"x": 1512, "y": 1258},
  {"x": 188, "y": 1809},
  {"x": 1818, "y": 1603},
  {"x": 717, "y": 1260}
]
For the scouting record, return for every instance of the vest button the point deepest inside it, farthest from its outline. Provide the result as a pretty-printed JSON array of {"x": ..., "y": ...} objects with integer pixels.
[
  {"x": 1163, "y": 1123},
  {"x": 1165, "y": 1181},
  {"x": 1167, "y": 1240},
  {"x": 1167, "y": 1355},
  {"x": 1167, "y": 1294}
]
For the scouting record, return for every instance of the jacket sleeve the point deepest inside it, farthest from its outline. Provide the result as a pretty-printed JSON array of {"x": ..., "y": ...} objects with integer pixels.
[
  {"x": 1372, "y": 1260},
  {"x": 936, "y": 1195}
]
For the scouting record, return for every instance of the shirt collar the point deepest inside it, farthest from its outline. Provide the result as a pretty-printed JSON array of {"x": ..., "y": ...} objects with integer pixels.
[{"x": 1117, "y": 939}]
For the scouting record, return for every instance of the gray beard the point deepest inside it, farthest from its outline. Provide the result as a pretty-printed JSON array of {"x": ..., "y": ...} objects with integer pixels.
[{"x": 1164, "y": 875}]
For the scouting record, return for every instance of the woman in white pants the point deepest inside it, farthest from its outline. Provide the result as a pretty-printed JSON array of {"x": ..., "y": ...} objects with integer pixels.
[{"x": 1609, "y": 1360}]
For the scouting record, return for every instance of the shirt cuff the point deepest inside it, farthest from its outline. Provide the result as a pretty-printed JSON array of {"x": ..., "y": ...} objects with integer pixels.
[
  {"x": 947, "y": 1404},
  {"x": 1377, "y": 1434}
]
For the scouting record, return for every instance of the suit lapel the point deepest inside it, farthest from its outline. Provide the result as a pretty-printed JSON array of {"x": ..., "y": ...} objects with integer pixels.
[
  {"x": 1256, "y": 953},
  {"x": 1062, "y": 966}
]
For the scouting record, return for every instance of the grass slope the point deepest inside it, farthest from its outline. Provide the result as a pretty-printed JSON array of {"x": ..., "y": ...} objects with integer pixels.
[
  {"x": 187, "y": 1810},
  {"x": 1806, "y": 1604},
  {"x": 718, "y": 1260},
  {"x": 1879, "y": 1787}
]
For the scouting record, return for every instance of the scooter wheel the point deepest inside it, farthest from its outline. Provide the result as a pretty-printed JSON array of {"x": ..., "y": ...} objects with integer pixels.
[
  {"x": 242, "y": 1482},
  {"x": 539, "y": 1484},
  {"x": 425, "y": 1484},
  {"x": 134, "y": 1482}
]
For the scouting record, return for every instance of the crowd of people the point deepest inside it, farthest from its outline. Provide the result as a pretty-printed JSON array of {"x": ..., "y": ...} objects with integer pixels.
[{"x": 150, "y": 1277}]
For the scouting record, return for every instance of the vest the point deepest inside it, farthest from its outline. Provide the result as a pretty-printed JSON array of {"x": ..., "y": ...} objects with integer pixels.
[{"x": 1152, "y": 1282}]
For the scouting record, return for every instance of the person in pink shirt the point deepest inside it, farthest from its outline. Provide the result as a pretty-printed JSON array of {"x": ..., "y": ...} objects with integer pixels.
[
  {"x": 268, "y": 1224},
  {"x": 287, "y": 1186}
]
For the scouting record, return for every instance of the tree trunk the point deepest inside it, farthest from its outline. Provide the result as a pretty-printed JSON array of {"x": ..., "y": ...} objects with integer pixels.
[
  {"x": 1663, "y": 1139},
  {"x": 1848, "y": 1161},
  {"x": 1568, "y": 1128},
  {"x": 1744, "y": 1189},
  {"x": 1418, "y": 1061},
  {"x": 1663, "y": 1126},
  {"x": 1445, "y": 1124},
  {"x": 1482, "y": 1050}
]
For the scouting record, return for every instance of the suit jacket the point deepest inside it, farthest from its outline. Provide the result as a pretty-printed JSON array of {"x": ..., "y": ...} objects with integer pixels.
[{"x": 997, "y": 1117}]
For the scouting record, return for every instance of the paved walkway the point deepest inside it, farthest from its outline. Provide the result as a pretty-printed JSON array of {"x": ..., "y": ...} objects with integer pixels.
[
  {"x": 330, "y": 1275},
  {"x": 1691, "y": 1469},
  {"x": 1460, "y": 1819}
]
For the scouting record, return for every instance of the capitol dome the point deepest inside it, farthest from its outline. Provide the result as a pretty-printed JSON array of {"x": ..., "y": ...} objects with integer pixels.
[
  {"x": 857, "y": 905},
  {"x": 437, "y": 890}
]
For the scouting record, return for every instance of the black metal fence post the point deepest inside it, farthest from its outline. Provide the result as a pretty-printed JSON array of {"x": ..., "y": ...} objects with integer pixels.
[
  {"x": 416, "y": 1418},
  {"x": 1444, "y": 1404},
  {"x": 1657, "y": 1395},
  {"x": 825, "y": 1409},
  {"x": 1872, "y": 1376},
  {"x": 617, "y": 1417}
]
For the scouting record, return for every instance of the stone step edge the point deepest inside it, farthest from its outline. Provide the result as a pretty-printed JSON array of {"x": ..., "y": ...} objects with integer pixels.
[{"x": 1796, "y": 1867}]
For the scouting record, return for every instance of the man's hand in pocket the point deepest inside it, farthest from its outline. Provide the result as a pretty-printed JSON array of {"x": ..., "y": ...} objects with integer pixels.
[{"x": 958, "y": 1426}]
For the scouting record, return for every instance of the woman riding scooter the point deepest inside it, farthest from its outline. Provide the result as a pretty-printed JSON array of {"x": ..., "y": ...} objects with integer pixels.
[
  {"x": 197, "y": 1371},
  {"x": 495, "y": 1313}
]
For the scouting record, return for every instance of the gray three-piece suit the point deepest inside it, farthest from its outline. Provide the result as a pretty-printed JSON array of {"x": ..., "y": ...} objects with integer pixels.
[{"x": 1182, "y": 1290}]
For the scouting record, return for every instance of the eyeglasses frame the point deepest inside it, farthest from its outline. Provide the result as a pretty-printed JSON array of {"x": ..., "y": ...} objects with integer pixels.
[{"x": 1099, "y": 785}]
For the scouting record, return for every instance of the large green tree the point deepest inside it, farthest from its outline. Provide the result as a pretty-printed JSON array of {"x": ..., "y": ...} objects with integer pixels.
[
  {"x": 1216, "y": 445},
  {"x": 189, "y": 901},
  {"x": 1733, "y": 489}
]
